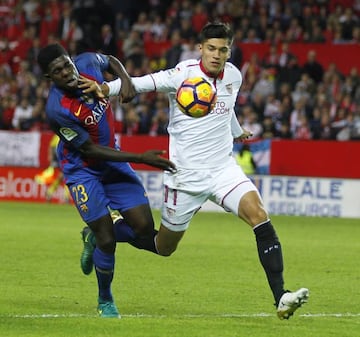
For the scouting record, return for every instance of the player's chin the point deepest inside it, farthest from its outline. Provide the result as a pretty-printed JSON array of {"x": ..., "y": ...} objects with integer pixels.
[
  {"x": 73, "y": 85},
  {"x": 215, "y": 68}
]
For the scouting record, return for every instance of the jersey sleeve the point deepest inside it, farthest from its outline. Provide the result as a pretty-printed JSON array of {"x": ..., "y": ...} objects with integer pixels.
[
  {"x": 236, "y": 129},
  {"x": 92, "y": 63},
  {"x": 163, "y": 81}
]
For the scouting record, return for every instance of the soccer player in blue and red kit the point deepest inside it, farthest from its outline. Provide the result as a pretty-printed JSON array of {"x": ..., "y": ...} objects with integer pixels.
[{"x": 97, "y": 173}]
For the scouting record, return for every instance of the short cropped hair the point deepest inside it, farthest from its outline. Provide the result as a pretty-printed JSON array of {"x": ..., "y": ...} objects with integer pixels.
[
  {"x": 49, "y": 54},
  {"x": 216, "y": 30}
]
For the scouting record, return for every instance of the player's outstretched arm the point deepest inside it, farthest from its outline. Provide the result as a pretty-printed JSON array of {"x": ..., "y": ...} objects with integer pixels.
[
  {"x": 151, "y": 157},
  {"x": 127, "y": 91}
]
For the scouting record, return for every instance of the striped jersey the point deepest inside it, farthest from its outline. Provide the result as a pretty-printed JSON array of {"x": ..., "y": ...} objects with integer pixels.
[{"x": 76, "y": 117}]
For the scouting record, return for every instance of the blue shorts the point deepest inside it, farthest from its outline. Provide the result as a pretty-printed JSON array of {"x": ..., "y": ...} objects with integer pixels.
[{"x": 93, "y": 191}]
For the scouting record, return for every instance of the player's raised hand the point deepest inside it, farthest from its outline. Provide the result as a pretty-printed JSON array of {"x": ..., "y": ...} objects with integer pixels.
[
  {"x": 90, "y": 86},
  {"x": 246, "y": 135},
  {"x": 154, "y": 158}
]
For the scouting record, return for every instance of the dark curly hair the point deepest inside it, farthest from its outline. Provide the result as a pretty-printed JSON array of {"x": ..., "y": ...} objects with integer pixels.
[{"x": 49, "y": 54}]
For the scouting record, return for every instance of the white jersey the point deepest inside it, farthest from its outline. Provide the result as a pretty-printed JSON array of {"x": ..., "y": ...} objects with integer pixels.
[{"x": 198, "y": 143}]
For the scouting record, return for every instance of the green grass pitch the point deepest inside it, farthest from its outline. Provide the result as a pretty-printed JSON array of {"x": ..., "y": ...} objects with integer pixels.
[{"x": 213, "y": 286}]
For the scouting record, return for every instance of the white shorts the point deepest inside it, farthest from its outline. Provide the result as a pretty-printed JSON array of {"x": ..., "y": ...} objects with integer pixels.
[{"x": 186, "y": 191}]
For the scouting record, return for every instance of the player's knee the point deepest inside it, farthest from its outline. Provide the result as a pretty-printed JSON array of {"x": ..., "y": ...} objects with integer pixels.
[
  {"x": 165, "y": 248},
  {"x": 106, "y": 244},
  {"x": 254, "y": 215},
  {"x": 108, "y": 248},
  {"x": 144, "y": 228}
]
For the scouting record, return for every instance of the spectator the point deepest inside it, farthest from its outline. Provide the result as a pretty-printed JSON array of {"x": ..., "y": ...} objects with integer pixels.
[
  {"x": 158, "y": 28},
  {"x": 145, "y": 117},
  {"x": 269, "y": 130},
  {"x": 285, "y": 54},
  {"x": 23, "y": 115},
  {"x": 131, "y": 121},
  {"x": 107, "y": 41},
  {"x": 173, "y": 54},
  {"x": 265, "y": 86},
  {"x": 74, "y": 33},
  {"x": 284, "y": 131},
  {"x": 246, "y": 160},
  {"x": 355, "y": 125},
  {"x": 290, "y": 73},
  {"x": 7, "y": 110},
  {"x": 186, "y": 30},
  {"x": 313, "y": 67},
  {"x": 65, "y": 20},
  {"x": 303, "y": 128},
  {"x": 251, "y": 122},
  {"x": 300, "y": 93},
  {"x": 251, "y": 37},
  {"x": 133, "y": 48},
  {"x": 296, "y": 120},
  {"x": 348, "y": 22},
  {"x": 199, "y": 17},
  {"x": 273, "y": 22},
  {"x": 272, "y": 107},
  {"x": 315, "y": 123},
  {"x": 271, "y": 59},
  {"x": 251, "y": 68},
  {"x": 160, "y": 121},
  {"x": 32, "y": 57},
  {"x": 142, "y": 24},
  {"x": 236, "y": 56},
  {"x": 190, "y": 50}
]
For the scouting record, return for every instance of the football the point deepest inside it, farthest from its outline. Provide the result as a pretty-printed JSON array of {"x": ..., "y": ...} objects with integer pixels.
[{"x": 196, "y": 97}]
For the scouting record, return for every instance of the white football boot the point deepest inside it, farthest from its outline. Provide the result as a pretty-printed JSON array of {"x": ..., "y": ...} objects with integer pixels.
[{"x": 290, "y": 301}]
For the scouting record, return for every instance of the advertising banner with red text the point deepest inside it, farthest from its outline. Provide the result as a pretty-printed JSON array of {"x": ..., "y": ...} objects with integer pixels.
[{"x": 18, "y": 184}]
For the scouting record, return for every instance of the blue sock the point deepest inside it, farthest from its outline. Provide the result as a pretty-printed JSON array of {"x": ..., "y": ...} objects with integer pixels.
[
  {"x": 104, "y": 266},
  {"x": 123, "y": 232}
]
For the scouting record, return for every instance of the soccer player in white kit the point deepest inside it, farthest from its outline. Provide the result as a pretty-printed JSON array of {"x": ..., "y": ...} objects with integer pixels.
[{"x": 201, "y": 149}]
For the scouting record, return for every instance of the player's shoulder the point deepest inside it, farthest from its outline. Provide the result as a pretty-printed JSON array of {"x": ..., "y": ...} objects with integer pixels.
[
  {"x": 55, "y": 95},
  {"x": 54, "y": 98},
  {"x": 181, "y": 71},
  {"x": 232, "y": 70},
  {"x": 87, "y": 58},
  {"x": 187, "y": 64}
]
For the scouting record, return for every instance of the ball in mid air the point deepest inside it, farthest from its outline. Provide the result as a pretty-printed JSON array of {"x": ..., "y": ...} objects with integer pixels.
[{"x": 196, "y": 97}]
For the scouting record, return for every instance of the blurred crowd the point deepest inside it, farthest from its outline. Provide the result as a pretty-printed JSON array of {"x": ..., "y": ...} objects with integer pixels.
[{"x": 279, "y": 98}]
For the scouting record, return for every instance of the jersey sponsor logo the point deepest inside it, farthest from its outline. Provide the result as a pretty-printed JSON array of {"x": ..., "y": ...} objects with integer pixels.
[
  {"x": 84, "y": 208},
  {"x": 99, "y": 58},
  {"x": 68, "y": 133},
  {"x": 77, "y": 113},
  {"x": 173, "y": 71},
  {"x": 170, "y": 212},
  {"x": 220, "y": 108},
  {"x": 96, "y": 113},
  {"x": 229, "y": 88}
]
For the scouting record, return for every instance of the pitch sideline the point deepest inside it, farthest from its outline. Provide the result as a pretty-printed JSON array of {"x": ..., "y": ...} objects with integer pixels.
[{"x": 139, "y": 315}]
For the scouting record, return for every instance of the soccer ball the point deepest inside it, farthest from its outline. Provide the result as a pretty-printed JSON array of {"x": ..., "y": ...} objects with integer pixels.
[{"x": 196, "y": 97}]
